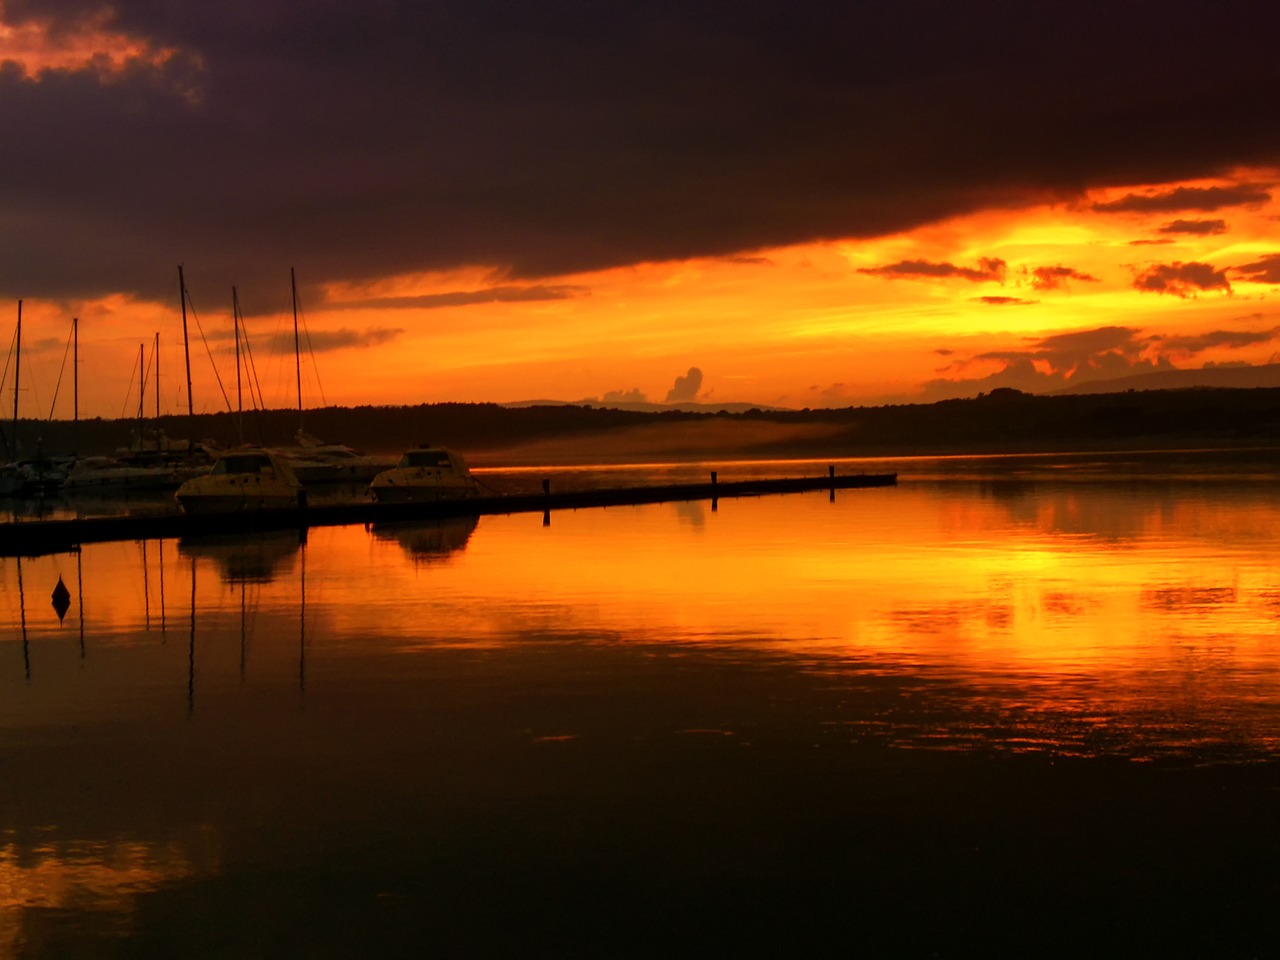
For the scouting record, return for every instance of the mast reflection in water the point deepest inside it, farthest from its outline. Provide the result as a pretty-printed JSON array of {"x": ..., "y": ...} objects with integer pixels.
[{"x": 934, "y": 718}]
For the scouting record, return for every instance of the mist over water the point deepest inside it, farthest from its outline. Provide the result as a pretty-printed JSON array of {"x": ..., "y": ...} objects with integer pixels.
[{"x": 922, "y": 719}]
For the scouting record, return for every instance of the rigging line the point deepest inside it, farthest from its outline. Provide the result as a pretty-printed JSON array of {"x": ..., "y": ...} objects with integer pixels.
[
  {"x": 124, "y": 409},
  {"x": 217, "y": 376},
  {"x": 153, "y": 365},
  {"x": 315, "y": 367},
  {"x": 143, "y": 379},
  {"x": 9, "y": 359},
  {"x": 259, "y": 403},
  {"x": 61, "y": 370}
]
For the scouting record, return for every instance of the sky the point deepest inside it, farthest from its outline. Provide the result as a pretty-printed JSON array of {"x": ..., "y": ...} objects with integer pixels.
[{"x": 815, "y": 205}]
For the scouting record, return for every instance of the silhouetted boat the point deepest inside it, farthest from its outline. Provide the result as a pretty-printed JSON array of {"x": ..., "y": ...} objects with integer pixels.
[
  {"x": 109, "y": 475},
  {"x": 314, "y": 461},
  {"x": 425, "y": 473},
  {"x": 246, "y": 479}
]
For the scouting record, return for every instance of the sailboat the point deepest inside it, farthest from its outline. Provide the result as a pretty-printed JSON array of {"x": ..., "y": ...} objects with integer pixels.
[
  {"x": 316, "y": 461},
  {"x": 245, "y": 478},
  {"x": 124, "y": 473},
  {"x": 188, "y": 457},
  {"x": 37, "y": 476}
]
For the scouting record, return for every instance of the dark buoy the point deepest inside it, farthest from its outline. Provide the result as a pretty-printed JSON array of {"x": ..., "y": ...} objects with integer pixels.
[{"x": 61, "y": 599}]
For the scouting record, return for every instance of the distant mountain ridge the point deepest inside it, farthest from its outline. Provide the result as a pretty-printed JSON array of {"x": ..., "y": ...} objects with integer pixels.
[{"x": 1265, "y": 375}]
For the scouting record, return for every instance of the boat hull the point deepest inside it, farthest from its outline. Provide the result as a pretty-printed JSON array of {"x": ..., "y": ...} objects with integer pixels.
[
  {"x": 243, "y": 481},
  {"x": 421, "y": 493},
  {"x": 230, "y": 503}
]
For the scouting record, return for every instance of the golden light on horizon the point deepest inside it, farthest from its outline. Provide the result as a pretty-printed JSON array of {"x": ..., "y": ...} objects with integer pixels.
[{"x": 830, "y": 323}]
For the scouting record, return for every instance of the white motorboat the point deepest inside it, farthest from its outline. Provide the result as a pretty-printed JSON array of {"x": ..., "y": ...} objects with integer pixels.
[
  {"x": 425, "y": 473},
  {"x": 109, "y": 475},
  {"x": 248, "y": 478}
]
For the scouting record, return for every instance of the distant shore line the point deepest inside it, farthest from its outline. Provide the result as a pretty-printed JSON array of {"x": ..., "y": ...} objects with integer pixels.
[{"x": 488, "y": 433}]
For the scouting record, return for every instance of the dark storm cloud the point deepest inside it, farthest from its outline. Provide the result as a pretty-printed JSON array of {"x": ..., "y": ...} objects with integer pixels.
[
  {"x": 1205, "y": 199},
  {"x": 1195, "y": 227},
  {"x": 1181, "y": 279},
  {"x": 1004, "y": 301},
  {"x": 1266, "y": 270},
  {"x": 362, "y": 140},
  {"x": 1052, "y": 278},
  {"x": 987, "y": 269}
]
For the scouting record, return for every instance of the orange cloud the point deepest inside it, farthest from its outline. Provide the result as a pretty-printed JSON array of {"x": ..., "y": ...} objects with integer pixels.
[
  {"x": 1196, "y": 227},
  {"x": 1187, "y": 198},
  {"x": 1181, "y": 279},
  {"x": 37, "y": 44},
  {"x": 1051, "y": 278},
  {"x": 989, "y": 268},
  {"x": 1266, "y": 270}
]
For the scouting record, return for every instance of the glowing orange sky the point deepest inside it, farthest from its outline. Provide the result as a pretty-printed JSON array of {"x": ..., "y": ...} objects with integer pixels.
[
  {"x": 798, "y": 326},
  {"x": 831, "y": 323}
]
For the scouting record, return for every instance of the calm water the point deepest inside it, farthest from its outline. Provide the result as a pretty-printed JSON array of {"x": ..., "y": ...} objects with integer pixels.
[{"x": 1013, "y": 705}]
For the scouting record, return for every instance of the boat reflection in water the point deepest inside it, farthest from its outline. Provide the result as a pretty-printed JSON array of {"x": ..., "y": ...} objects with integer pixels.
[
  {"x": 428, "y": 541},
  {"x": 250, "y": 557},
  {"x": 948, "y": 718}
]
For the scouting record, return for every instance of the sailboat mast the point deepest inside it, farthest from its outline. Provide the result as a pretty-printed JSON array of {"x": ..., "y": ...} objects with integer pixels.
[
  {"x": 142, "y": 387},
  {"x": 186, "y": 349},
  {"x": 157, "y": 356},
  {"x": 235, "y": 320},
  {"x": 75, "y": 385},
  {"x": 17, "y": 374},
  {"x": 297, "y": 349}
]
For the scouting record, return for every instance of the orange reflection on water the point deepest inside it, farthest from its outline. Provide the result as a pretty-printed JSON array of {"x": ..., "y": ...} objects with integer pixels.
[
  {"x": 1084, "y": 605},
  {"x": 98, "y": 877}
]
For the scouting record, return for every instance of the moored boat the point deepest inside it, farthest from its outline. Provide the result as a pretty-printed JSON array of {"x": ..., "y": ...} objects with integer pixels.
[
  {"x": 425, "y": 473},
  {"x": 109, "y": 475},
  {"x": 245, "y": 479},
  {"x": 314, "y": 461}
]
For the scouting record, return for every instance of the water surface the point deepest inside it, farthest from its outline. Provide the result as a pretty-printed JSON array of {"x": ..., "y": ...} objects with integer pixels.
[{"x": 1018, "y": 705}]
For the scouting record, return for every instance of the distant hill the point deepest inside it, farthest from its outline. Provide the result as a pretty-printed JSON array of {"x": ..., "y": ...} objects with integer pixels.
[
  {"x": 1266, "y": 375},
  {"x": 1001, "y": 421},
  {"x": 644, "y": 407}
]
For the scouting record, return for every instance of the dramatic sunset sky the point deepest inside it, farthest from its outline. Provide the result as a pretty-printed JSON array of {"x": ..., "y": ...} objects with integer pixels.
[{"x": 816, "y": 204}]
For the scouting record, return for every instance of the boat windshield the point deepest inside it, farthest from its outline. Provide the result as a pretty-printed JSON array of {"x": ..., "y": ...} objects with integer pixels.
[
  {"x": 426, "y": 458},
  {"x": 243, "y": 463}
]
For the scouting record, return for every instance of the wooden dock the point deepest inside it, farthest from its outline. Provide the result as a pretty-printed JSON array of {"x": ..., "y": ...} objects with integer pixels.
[{"x": 37, "y": 537}]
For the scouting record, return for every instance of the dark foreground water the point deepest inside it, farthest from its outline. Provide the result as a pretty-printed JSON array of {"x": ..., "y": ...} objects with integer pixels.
[{"x": 1008, "y": 708}]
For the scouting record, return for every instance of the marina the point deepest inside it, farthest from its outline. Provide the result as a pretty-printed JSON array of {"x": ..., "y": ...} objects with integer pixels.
[{"x": 34, "y": 537}]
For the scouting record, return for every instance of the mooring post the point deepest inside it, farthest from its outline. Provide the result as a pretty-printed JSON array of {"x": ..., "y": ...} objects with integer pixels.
[
  {"x": 546, "y": 487},
  {"x": 713, "y": 478},
  {"x": 831, "y": 474}
]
